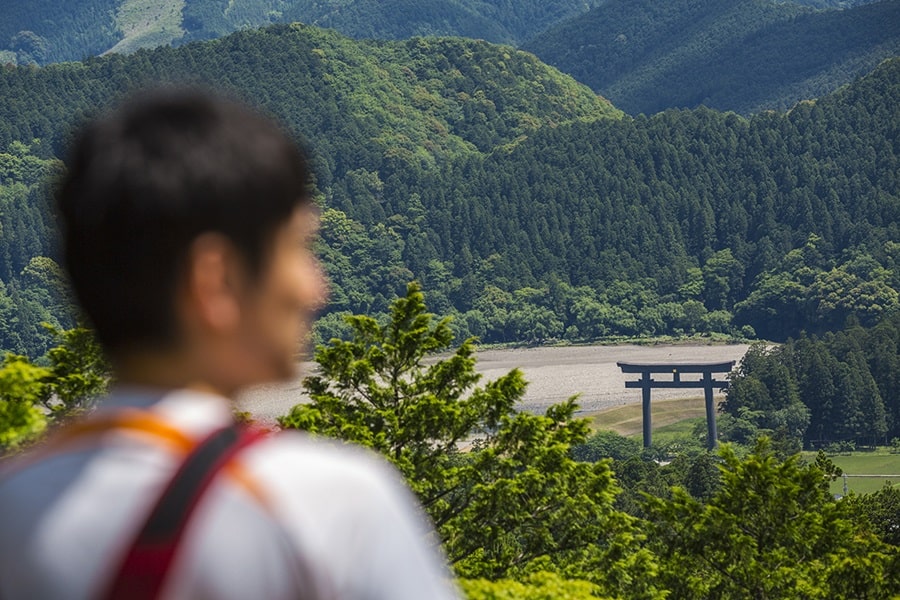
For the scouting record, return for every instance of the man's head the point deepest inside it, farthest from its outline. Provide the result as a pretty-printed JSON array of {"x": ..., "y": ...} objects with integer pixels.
[{"x": 186, "y": 219}]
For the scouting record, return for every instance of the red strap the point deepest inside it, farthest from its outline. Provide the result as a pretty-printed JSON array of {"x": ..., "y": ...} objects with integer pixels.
[{"x": 148, "y": 560}]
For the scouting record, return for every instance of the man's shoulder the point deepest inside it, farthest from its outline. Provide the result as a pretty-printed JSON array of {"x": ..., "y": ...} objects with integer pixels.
[{"x": 292, "y": 456}]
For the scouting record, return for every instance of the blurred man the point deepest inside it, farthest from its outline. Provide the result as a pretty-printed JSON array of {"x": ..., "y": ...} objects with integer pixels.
[{"x": 187, "y": 228}]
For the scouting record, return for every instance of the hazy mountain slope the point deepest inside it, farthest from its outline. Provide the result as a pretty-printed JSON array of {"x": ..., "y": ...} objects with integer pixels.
[
  {"x": 742, "y": 55},
  {"x": 45, "y": 31},
  {"x": 72, "y": 30},
  {"x": 148, "y": 23},
  {"x": 833, "y": 3},
  {"x": 507, "y": 21}
]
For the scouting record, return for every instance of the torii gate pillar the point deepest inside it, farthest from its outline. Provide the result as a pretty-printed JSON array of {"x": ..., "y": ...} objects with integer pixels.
[{"x": 647, "y": 383}]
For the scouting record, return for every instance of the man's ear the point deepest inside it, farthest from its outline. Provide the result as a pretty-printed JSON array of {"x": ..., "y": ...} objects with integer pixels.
[{"x": 212, "y": 285}]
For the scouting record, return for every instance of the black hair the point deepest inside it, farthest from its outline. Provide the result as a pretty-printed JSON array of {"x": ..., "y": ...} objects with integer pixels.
[{"x": 144, "y": 181}]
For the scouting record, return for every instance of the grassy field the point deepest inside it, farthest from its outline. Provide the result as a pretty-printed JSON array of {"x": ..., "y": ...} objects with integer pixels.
[
  {"x": 880, "y": 462},
  {"x": 670, "y": 418},
  {"x": 679, "y": 417}
]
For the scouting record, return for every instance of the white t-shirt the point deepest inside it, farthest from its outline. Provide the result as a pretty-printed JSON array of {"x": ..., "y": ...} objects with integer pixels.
[{"x": 338, "y": 522}]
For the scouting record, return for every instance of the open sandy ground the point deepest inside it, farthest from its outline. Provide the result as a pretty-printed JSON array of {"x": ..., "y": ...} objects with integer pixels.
[{"x": 554, "y": 374}]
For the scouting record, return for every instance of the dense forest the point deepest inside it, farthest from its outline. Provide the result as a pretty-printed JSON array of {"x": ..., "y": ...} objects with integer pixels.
[
  {"x": 683, "y": 220},
  {"x": 527, "y": 207},
  {"x": 375, "y": 113},
  {"x": 839, "y": 390},
  {"x": 740, "y": 55}
]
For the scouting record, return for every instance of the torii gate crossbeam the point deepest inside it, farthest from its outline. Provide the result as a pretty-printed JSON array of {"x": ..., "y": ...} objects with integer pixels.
[{"x": 706, "y": 382}]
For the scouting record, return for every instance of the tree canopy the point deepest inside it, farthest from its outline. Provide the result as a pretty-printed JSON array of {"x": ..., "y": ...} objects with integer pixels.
[
  {"x": 499, "y": 484},
  {"x": 520, "y": 517}
]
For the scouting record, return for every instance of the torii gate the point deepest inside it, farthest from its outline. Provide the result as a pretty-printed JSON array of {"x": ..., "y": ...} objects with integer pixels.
[{"x": 646, "y": 383}]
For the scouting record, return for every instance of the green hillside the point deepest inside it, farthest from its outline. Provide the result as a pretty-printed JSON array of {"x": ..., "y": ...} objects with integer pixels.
[
  {"x": 740, "y": 55},
  {"x": 782, "y": 222},
  {"x": 380, "y": 116},
  {"x": 526, "y": 205},
  {"x": 42, "y": 32},
  {"x": 493, "y": 20}
]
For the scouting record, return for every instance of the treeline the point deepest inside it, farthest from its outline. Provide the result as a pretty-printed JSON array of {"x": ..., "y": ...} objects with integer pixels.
[
  {"x": 839, "y": 390},
  {"x": 738, "y": 55},
  {"x": 526, "y": 206}
]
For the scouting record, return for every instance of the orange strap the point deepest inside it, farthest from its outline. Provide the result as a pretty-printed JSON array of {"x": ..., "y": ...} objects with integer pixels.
[
  {"x": 131, "y": 420},
  {"x": 128, "y": 419}
]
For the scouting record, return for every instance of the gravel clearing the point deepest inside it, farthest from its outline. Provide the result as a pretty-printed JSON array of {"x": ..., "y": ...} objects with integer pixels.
[{"x": 554, "y": 374}]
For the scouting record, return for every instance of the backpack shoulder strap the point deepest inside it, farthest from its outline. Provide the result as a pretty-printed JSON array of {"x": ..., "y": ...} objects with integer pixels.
[{"x": 147, "y": 561}]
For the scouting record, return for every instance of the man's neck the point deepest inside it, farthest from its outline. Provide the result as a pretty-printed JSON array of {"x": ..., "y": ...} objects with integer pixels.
[{"x": 166, "y": 370}]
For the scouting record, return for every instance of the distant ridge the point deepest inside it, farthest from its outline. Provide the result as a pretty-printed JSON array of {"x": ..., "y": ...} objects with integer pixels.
[
  {"x": 46, "y": 31},
  {"x": 740, "y": 55}
]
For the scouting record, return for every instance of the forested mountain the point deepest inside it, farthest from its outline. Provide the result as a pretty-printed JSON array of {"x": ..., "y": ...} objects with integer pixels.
[
  {"x": 493, "y": 20},
  {"x": 740, "y": 55},
  {"x": 526, "y": 205},
  {"x": 644, "y": 55},
  {"x": 379, "y": 116},
  {"x": 43, "y": 32},
  {"x": 788, "y": 221}
]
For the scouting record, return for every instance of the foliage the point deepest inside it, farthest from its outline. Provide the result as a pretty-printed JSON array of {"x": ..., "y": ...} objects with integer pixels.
[
  {"x": 79, "y": 373},
  {"x": 33, "y": 289},
  {"x": 739, "y": 55},
  {"x": 22, "y": 386},
  {"x": 836, "y": 391},
  {"x": 606, "y": 444},
  {"x": 374, "y": 390},
  {"x": 763, "y": 398},
  {"x": 499, "y": 484},
  {"x": 537, "y": 586},
  {"x": 33, "y": 396},
  {"x": 879, "y": 511},
  {"x": 771, "y": 531},
  {"x": 695, "y": 471}
]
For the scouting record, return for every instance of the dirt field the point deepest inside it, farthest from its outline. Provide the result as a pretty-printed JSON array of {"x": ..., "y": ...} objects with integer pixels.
[{"x": 554, "y": 374}]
